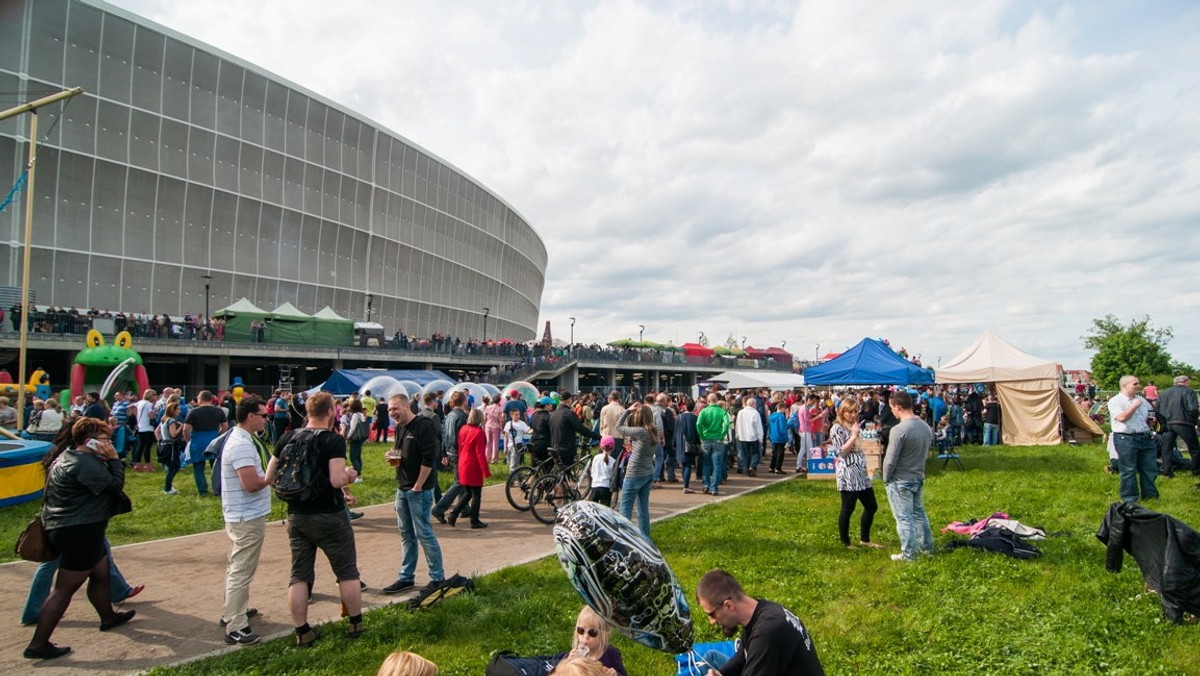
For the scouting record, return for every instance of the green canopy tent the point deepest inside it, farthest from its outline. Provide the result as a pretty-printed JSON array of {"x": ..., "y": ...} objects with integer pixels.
[
  {"x": 238, "y": 318},
  {"x": 290, "y": 326},
  {"x": 332, "y": 328}
]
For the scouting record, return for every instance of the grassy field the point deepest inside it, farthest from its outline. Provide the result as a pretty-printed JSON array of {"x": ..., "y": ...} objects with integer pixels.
[
  {"x": 961, "y": 611},
  {"x": 156, "y": 516}
]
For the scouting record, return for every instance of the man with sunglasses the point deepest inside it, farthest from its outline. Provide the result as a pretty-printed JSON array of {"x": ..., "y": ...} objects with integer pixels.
[
  {"x": 245, "y": 505},
  {"x": 774, "y": 641}
]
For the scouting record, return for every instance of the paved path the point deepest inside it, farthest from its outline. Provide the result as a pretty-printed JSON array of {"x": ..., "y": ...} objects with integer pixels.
[{"x": 185, "y": 577}]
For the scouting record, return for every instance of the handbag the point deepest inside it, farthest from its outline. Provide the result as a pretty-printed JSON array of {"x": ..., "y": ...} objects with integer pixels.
[
  {"x": 33, "y": 544},
  {"x": 360, "y": 431},
  {"x": 120, "y": 503}
]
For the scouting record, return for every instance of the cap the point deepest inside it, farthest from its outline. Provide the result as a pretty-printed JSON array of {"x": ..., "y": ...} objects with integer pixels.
[
  {"x": 607, "y": 441},
  {"x": 545, "y": 401}
]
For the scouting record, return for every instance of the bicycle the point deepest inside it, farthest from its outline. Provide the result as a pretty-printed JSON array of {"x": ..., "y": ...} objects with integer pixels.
[
  {"x": 559, "y": 488},
  {"x": 520, "y": 482}
]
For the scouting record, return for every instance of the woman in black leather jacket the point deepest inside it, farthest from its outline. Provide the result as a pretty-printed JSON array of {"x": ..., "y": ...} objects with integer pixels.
[{"x": 84, "y": 482}]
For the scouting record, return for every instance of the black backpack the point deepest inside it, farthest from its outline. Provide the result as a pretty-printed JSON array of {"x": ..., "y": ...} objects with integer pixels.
[{"x": 298, "y": 471}]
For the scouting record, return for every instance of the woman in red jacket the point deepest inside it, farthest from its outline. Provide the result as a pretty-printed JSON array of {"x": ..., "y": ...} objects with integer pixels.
[{"x": 472, "y": 468}]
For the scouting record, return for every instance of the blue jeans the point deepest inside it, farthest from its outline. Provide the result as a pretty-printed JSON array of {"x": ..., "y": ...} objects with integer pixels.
[
  {"x": 43, "y": 577},
  {"x": 412, "y": 518},
  {"x": 712, "y": 464},
  {"x": 748, "y": 454},
  {"x": 659, "y": 457},
  {"x": 1137, "y": 463},
  {"x": 637, "y": 488},
  {"x": 991, "y": 434},
  {"x": 907, "y": 499},
  {"x": 356, "y": 455}
]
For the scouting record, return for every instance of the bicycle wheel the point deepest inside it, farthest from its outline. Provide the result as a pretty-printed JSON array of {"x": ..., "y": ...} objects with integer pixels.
[
  {"x": 517, "y": 488},
  {"x": 545, "y": 498},
  {"x": 583, "y": 481}
]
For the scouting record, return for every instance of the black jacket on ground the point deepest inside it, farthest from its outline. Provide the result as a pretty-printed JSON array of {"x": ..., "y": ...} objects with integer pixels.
[{"x": 1166, "y": 550}]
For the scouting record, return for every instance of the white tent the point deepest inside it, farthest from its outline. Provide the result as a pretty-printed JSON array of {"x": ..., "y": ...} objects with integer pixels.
[
  {"x": 1032, "y": 402},
  {"x": 775, "y": 380}
]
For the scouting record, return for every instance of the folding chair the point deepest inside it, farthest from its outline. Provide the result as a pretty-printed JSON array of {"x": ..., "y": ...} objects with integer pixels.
[{"x": 947, "y": 452}]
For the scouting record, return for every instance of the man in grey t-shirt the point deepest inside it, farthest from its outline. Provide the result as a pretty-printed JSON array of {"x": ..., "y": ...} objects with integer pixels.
[{"x": 904, "y": 478}]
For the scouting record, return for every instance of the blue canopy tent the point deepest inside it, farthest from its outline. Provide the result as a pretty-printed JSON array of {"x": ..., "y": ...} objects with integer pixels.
[
  {"x": 871, "y": 362},
  {"x": 344, "y": 381}
]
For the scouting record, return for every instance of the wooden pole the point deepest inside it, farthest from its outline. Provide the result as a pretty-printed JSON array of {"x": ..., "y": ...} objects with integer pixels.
[{"x": 31, "y": 107}]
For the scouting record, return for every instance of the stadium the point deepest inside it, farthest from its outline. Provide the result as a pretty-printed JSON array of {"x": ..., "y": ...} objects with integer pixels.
[{"x": 184, "y": 179}]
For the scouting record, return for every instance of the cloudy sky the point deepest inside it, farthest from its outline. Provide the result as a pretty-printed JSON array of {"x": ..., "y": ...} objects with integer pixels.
[{"x": 813, "y": 172}]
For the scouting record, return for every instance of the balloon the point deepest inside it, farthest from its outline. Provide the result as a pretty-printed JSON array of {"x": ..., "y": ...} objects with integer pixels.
[
  {"x": 475, "y": 394},
  {"x": 527, "y": 391},
  {"x": 381, "y": 387},
  {"x": 436, "y": 386},
  {"x": 622, "y": 576}
]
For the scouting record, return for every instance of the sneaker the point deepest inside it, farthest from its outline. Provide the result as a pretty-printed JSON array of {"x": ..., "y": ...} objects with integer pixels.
[
  {"x": 250, "y": 612},
  {"x": 688, "y": 491},
  {"x": 355, "y": 516},
  {"x": 358, "y": 480},
  {"x": 171, "y": 492},
  {"x": 399, "y": 586},
  {"x": 898, "y": 557},
  {"x": 242, "y": 637}
]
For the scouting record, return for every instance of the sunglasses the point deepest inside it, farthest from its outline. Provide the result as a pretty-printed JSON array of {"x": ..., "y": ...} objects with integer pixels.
[{"x": 592, "y": 633}]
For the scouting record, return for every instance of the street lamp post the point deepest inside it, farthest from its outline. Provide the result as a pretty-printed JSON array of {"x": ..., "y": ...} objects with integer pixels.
[
  {"x": 370, "y": 303},
  {"x": 817, "y": 352},
  {"x": 743, "y": 342},
  {"x": 641, "y": 331},
  {"x": 571, "y": 347},
  {"x": 207, "y": 278},
  {"x": 486, "y": 312}
]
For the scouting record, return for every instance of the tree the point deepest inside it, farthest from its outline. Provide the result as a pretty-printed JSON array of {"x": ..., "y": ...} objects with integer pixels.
[{"x": 1138, "y": 349}]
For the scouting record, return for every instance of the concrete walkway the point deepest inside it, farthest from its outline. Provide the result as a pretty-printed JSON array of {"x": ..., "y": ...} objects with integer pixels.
[{"x": 177, "y": 614}]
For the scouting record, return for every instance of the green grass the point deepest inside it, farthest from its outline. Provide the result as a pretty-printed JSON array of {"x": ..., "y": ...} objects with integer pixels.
[
  {"x": 962, "y": 611},
  {"x": 156, "y": 516}
]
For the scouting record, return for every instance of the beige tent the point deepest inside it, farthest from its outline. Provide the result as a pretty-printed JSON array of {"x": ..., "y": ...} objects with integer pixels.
[{"x": 1032, "y": 401}]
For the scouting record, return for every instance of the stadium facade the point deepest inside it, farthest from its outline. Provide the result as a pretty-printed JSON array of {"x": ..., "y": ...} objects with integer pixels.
[{"x": 180, "y": 161}]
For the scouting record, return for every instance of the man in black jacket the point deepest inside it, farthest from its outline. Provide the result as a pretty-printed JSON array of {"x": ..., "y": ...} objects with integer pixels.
[
  {"x": 564, "y": 426},
  {"x": 1178, "y": 412}
]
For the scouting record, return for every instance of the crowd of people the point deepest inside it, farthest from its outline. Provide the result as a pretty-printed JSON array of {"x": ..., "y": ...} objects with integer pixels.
[{"x": 645, "y": 443}]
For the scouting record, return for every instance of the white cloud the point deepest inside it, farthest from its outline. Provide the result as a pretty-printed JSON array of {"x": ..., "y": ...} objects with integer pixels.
[{"x": 811, "y": 172}]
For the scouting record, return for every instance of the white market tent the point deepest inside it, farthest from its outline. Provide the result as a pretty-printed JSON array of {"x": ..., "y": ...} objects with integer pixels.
[
  {"x": 1032, "y": 402},
  {"x": 775, "y": 380}
]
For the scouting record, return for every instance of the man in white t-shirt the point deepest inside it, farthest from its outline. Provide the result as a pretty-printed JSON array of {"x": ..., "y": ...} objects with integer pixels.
[
  {"x": 245, "y": 504},
  {"x": 1137, "y": 456}
]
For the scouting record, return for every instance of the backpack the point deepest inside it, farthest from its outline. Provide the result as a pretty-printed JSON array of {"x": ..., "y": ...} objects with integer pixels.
[
  {"x": 298, "y": 468},
  {"x": 213, "y": 452},
  {"x": 506, "y": 663}
]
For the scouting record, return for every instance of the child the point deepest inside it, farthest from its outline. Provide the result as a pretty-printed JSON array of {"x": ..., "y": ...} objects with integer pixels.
[
  {"x": 778, "y": 427},
  {"x": 604, "y": 467},
  {"x": 516, "y": 435},
  {"x": 592, "y": 634}
]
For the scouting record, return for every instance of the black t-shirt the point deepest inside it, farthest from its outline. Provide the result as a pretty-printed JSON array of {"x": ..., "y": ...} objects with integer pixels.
[
  {"x": 205, "y": 418},
  {"x": 419, "y": 446},
  {"x": 774, "y": 643},
  {"x": 329, "y": 500}
]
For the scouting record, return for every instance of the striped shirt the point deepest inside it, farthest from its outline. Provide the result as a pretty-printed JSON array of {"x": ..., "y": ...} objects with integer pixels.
[{"x": 851, "y": 466}]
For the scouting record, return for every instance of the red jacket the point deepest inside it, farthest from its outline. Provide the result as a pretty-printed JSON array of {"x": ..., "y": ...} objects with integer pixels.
[{"x": 472, "y": 461}]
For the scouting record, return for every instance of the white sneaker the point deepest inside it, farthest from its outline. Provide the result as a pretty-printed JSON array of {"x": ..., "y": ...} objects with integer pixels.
[
  {"x": 358, "y": 480},
  {"x": 171, "y": 492},
  {"x": 898, "y": 557}
]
